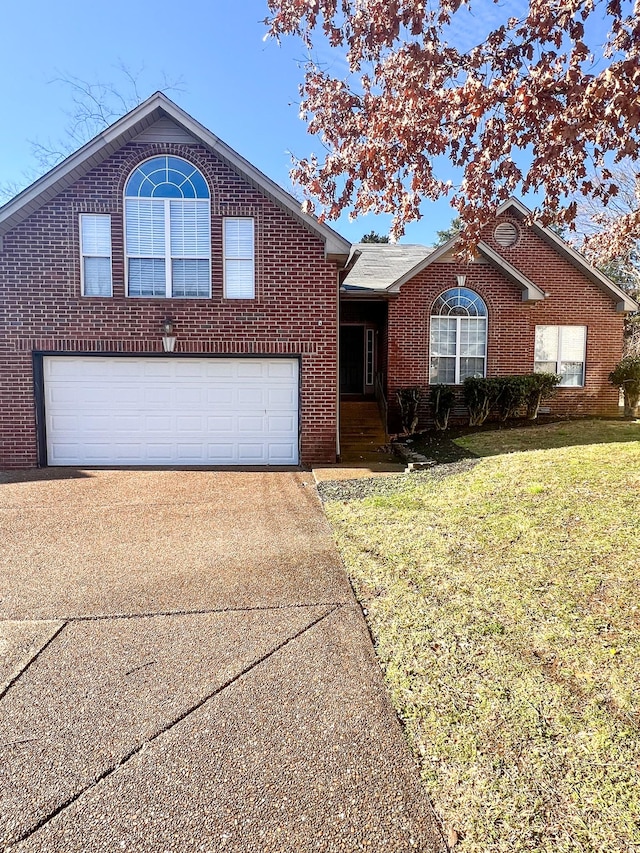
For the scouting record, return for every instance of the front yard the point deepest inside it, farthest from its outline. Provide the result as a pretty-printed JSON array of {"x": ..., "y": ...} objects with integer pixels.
[{"x": 504, "y": 603}]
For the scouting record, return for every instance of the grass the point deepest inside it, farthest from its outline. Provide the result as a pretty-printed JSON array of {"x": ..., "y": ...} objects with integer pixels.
[
  {"x": 504, "y": 604},
  {"x": 515, "y": 436}
]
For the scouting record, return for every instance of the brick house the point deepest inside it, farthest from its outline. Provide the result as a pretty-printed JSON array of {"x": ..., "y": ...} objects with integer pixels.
[
  {"x": 157, "y": 223},
  {"x": 162, "y": 302},
  {"x": 415, "y": 316}
]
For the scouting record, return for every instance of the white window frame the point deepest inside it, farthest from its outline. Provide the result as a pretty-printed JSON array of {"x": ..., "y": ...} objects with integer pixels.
[
  {"x": 560, "y": 360},
  {"x": 458, "y": 356},
  {"x": 168, "y": 258},
  {"x": 225, "y": 256},
  {"x": 84, "y": 255},
  {"x": 483, "y": 318}
]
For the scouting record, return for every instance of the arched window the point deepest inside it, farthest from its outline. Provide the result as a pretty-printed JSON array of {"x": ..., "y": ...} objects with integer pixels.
[
  {"x": 458, "y": 337},
  {"x": 167, "y": 230}
]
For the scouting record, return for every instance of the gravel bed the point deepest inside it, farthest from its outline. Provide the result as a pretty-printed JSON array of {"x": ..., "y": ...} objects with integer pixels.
[{"x": 353, "y": 490}]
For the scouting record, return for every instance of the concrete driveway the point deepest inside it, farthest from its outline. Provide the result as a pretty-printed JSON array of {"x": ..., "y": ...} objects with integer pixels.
[{"x": 183, "y": 668}]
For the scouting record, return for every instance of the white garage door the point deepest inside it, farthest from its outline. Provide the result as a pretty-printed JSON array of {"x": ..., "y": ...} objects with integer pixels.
[{"x": 171, "y": 411}]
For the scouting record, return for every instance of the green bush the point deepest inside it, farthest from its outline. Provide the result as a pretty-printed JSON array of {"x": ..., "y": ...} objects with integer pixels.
[
  {"x": 539, "y": 387},
  {"x": 626, "y": 375},
  {"x": 442, "y": 398},
  {"x": 409, "y": 400},
  {"x": 512, "y": 394},
  {"x": 479, "y": 396}
]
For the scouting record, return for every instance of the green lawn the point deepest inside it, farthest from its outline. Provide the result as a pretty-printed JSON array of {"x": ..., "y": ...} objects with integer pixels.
[{"x": 504, "y": 603}]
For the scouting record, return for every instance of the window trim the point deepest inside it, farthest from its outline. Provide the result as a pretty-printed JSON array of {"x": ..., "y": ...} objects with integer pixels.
[
  {"x": 168, "y": 257},
  {"x": 458, "y": 318},
  {"x": 559, "y": 359},
  {"x": 84, "y": 255},
  {"x": 225, "y": 292}
]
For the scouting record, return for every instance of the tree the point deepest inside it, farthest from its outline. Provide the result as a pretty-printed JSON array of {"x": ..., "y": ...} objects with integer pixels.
[
  {"x": 557, "y": 87},
  {"x": 614, "y": 249},
  {"x": 93, "y": 106},
  {"x": 373, "y": 237},
  {"x": 455, "y": 227}
]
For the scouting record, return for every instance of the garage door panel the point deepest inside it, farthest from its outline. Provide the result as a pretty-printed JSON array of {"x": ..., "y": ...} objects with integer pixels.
[
  {"x": 251, "y": 395},
  {"x": 154, "y": 411},
  {"x": 281, "y": 398}
]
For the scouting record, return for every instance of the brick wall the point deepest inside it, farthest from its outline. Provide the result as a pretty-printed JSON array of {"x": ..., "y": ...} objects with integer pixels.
[
  {"x": 41, "y": 308},
  {"x": 572, "y": 300}
]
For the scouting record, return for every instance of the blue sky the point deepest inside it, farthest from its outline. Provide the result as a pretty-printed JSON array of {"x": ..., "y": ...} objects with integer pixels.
[{"x": 241, "y": 87}]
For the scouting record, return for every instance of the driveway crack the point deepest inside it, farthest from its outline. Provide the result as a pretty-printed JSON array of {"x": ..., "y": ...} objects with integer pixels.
[
  {"x": 166, "y": 728},
  {"x": 34, "y": 657}
]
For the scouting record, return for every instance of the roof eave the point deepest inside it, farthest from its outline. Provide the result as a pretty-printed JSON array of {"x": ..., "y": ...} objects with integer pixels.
[
  {"x": 530, "y": 291},
  {"x": 105, "y": 143},
  {"x": 624, "y": 303},
  {"x": 421, "y": 265}
]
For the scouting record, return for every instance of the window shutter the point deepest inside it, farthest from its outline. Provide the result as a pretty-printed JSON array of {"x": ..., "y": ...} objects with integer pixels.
[
  {"x": 95, "y": 248},
  {"x": 239, "y": 266}
]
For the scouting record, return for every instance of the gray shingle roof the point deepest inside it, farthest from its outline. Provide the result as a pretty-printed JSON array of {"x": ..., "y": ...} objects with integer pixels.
[{"x": 381, "y": 264}]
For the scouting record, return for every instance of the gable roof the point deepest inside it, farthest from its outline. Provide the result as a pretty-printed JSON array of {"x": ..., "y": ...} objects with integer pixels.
[
  {"x": 623, "y": 301},
  {"x": 156, "y": 108},
  {"x": 384, "y": 268}
]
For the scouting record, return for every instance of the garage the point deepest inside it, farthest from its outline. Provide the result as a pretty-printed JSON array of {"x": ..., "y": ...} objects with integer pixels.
[{"x": 132, "y": 410}]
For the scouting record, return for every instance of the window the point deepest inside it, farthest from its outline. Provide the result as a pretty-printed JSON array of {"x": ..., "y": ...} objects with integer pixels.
[
  {"x": 458, "y": 337},
  {"x": 167, "y": 230},
  {"x": 95, "y": 252},
  {"x": 239, "y": 266},
  {"x": 561, "y": 349}
]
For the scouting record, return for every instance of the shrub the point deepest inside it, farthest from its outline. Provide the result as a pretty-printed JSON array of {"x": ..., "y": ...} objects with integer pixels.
[
  {"x": 512, "y": 394},
  {"x": 479, "y": 395},
  {"x": 539, "y": 387},
  {"x": 626, "y": 375},
  {"x": 409, "y": 400},
  {"x": 442, "y": 398}
]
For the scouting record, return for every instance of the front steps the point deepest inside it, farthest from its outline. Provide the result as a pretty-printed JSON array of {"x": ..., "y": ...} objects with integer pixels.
[{"x": 362, "y": 433}]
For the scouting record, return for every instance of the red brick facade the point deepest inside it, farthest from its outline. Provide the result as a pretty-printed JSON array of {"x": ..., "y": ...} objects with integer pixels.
[
  {"x": 41, "y": 307},
  {"x": 572, "y": 300}
]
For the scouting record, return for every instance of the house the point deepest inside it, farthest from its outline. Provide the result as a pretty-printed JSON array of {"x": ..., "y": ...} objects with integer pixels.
[
  {"x": 156, "y": 235},
  {"x": 416, "y": 316},
  {"x": 163, "y": 302}
]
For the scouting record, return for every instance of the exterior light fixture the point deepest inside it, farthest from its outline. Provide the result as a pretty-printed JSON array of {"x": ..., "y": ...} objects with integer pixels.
[
  {"x": 461, "y": 280},
  {"x": 168, "y": 338}
]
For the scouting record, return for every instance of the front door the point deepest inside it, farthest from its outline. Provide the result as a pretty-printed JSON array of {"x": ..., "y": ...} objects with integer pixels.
[{"x": 351, "y": 359}]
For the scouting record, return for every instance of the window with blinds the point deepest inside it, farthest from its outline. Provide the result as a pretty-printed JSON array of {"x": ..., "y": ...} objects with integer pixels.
[
  {"x": 168, "y": 230},
  {"x": 95, "y": 251},
  {"x": 457, "y": 337},
  {"x": 239, "y": 258},
  {"x": 562, "y": 350}
]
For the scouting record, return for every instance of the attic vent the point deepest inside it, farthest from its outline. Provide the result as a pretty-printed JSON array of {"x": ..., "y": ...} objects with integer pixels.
[{"x": 506, "y": 234}]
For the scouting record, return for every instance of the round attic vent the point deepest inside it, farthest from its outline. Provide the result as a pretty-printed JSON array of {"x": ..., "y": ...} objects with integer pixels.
[{"x": 506, "y": 234}]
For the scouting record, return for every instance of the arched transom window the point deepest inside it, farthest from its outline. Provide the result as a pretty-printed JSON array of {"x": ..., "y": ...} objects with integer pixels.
[
  {"x": 458, "y": 337},
  {"x": 167, "y": 230}
]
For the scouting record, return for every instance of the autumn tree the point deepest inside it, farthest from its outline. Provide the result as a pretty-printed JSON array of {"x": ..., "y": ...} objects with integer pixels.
[{"x": 537, "y": 103}]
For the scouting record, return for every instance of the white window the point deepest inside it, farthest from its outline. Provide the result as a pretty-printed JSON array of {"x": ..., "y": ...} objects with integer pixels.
[
  {"x": 458, "y": 337},
  {"x": 239, "y": 258},
  {"x": 95, "y": 252},
  {"x": 167, "y": 230},
  {"x": 561, "y": 349}
]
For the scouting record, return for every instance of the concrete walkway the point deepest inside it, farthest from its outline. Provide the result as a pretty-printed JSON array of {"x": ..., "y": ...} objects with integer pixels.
[{"x": 183, "y": 668}]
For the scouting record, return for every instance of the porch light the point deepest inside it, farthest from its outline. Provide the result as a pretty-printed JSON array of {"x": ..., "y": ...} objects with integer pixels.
[
  {"x": 461, "y": 280},
  {"x": 168, "y": 338}
]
